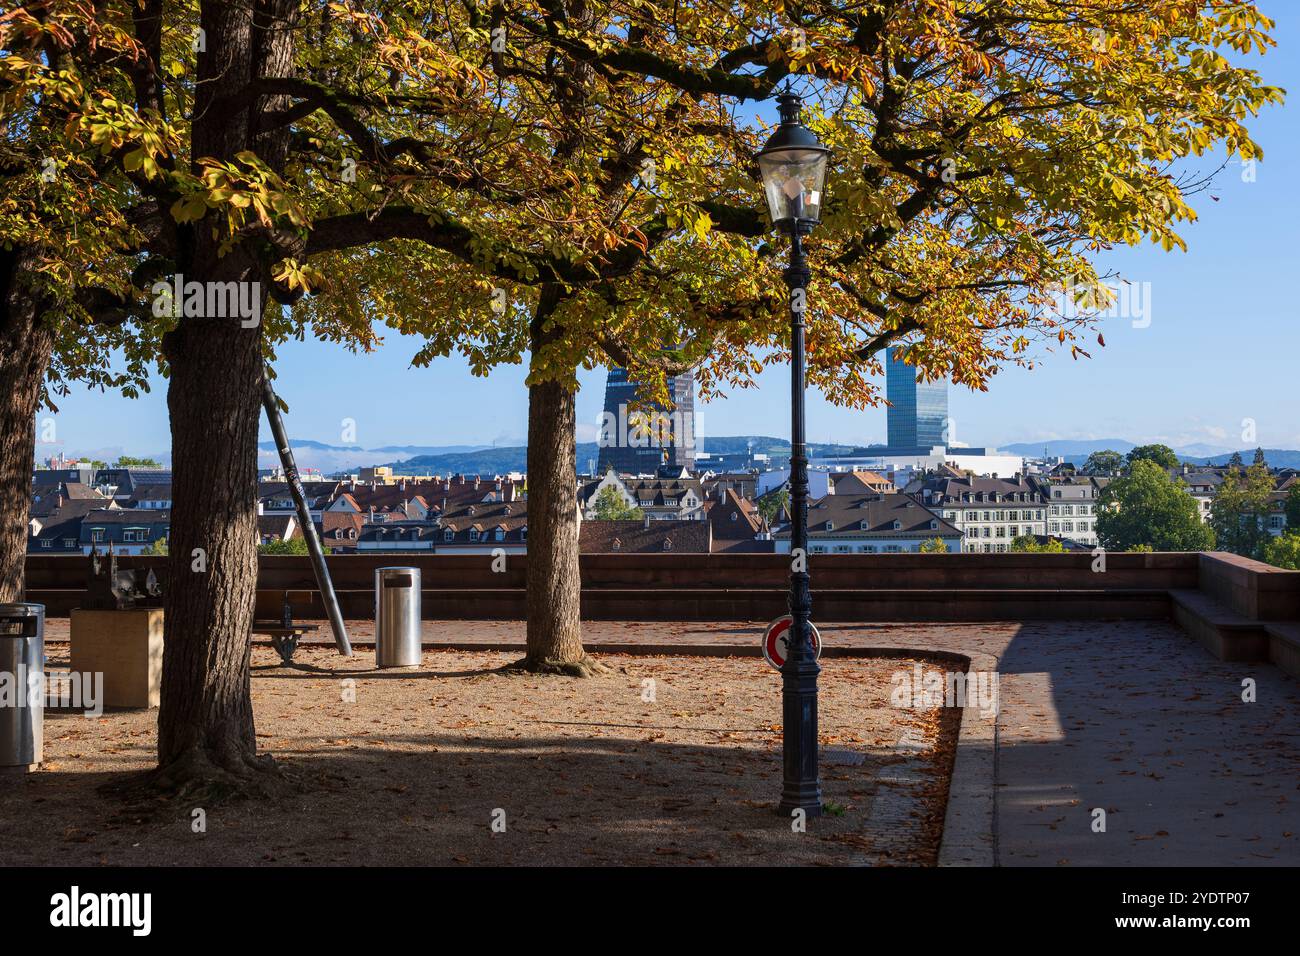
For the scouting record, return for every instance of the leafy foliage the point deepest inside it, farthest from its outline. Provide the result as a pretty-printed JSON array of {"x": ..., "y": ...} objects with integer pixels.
[
  {"x": 1162, "y": 455},
  {"x": 1103, "y": 463},
  {"x": 611, "y": 506},
  {"x": 1028, "y": 544},
  {"x": 1240, "y": 509},
  {"x": 1147, "y": 510},
  {"x": 278, "y": 546},
  {"x": 1283, "y": 551}
]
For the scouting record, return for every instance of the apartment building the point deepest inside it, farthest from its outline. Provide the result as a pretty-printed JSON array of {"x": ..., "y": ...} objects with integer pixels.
[{"x": 989, "y": 512}]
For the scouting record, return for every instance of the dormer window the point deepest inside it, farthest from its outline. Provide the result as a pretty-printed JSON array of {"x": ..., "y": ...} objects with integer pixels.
[
  {"x": 668, "y": 544},
  {"x": 501, "y": 534},
  {"x": 934, "y": 525},
  {"x": 898, "y": 525},
  {"x": 473, "y": 534},
  {"x": 448, "y": 535},
  {"x": 616, "y": 544},
  {"x": 864, "y": 525},
  {"x": 830, "y": 526}
]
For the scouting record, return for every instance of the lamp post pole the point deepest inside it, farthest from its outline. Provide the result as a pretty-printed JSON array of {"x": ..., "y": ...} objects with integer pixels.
[
  {"x": 801, "y": 788},
  {"x": 793, "y": 166}
]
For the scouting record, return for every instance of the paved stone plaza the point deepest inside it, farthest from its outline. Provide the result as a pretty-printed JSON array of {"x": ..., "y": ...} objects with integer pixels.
[{"x": 1130, "y": 717}]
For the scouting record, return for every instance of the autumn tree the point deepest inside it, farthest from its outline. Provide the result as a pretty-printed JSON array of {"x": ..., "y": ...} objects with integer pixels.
[
  {"x": 571, "y": 183},
  {"x": 983, "y": 156},
  {"x": 65, "y": 211}
]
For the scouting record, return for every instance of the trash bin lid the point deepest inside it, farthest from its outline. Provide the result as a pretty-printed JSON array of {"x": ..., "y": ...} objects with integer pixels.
[
  {"x": 20, "y": 620},
  {"x": 21, "y": 610}
]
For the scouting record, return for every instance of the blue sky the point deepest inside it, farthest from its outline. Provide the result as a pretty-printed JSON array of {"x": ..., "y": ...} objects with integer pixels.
[{"x": 1222, "y": 346}]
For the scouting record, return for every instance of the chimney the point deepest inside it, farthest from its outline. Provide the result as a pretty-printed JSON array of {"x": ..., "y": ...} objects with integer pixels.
[{"x": 647, "y": 522}]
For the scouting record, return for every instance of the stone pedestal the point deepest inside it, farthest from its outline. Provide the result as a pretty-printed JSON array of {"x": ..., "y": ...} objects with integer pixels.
[{"x": 126, "y": 646}]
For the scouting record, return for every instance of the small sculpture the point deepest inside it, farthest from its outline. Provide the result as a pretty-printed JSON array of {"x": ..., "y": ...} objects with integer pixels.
[{"x": 113, "y": 589}]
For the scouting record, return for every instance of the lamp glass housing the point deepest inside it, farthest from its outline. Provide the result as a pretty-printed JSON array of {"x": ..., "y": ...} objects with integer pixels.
[{"x": 793, "y": 179}]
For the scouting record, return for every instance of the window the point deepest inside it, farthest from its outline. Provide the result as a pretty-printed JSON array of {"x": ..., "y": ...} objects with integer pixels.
[
  {"x": 898, "y": 525},
  {"x": 473, "y": 534},
  {"x": 843, "y": 549},
  {"x": 668, "y": 544},
  {"x": 46, "y": 542},
  {"x": 616, "y": 544},
  {"x": 1001, "y": 532},
  {"x": 934, "y": 525},
  {"x": 986, "y": 531},
  {"x": 1067, "y": 526},
  {"x": 830, "y": 526},
  {"x": 1054, "y": 527},
  {"x": 446, "y": 535},
  {"x": 97, "y": 534},
  {"x": 69, "y": 542},
  {"x": 864, "y": 525},
  {"x": 1014, "y": 531}
]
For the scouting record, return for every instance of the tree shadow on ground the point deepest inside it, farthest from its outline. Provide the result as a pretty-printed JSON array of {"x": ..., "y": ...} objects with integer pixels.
[{"x": 417, "y": 798}]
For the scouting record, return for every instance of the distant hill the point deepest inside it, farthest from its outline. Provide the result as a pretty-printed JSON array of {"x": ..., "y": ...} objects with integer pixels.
[
  {"x": 486, "y": 460},
  {"x": 1276, "y": 458},
  {"x": 498, "y": 460},
  {"x": 1067, "y": 448}
]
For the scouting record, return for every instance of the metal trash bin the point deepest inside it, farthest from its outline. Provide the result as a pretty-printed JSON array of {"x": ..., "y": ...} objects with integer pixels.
[
  {"x": 22, "y": 666},
  {"x": 397, "y": 617}
]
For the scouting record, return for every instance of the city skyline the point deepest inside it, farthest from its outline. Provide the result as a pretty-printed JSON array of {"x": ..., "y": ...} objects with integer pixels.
[{"x": 1167, "y": 376}]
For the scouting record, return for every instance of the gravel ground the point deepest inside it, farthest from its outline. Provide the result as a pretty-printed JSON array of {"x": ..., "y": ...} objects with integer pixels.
[{"x": 663, "y": 761}]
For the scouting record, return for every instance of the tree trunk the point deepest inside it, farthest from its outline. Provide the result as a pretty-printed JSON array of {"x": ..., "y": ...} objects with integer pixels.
[
  {"x": 554, "y": 582},
  {"x": 205, "y": 721},
  {"x": 206, "y": 741},
  {"x": 25, "y": 347}
]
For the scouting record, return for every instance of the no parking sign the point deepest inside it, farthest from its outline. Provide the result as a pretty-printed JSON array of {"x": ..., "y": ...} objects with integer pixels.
[{"x": 776, "y": 641}]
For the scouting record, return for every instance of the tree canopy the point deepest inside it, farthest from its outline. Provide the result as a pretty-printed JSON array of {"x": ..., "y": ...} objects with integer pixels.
[
  {"x": 1162, "y": 455},
  {"x": 1146, "y": 509}
]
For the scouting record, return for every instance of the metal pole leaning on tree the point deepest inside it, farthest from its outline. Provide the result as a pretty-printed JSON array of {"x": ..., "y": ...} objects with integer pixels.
[{"x": 327, "y": 595}]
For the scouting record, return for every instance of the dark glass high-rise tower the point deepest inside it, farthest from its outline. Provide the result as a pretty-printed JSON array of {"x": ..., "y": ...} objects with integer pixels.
[
  {"x": 918, "y": 411},
  {"x": 668, "y": 441}
]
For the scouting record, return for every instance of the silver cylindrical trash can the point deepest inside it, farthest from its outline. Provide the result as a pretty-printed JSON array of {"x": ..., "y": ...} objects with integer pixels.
[
  {"x": 397, "y": 617},
  {"x": 22, "y": 667}
]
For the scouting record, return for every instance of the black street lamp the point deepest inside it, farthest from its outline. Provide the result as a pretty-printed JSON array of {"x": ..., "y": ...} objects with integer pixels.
[{"x": 793, "y": 165}]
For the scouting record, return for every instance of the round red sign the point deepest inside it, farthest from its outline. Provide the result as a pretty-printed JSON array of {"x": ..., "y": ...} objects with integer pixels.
[{"x": 776, "y": 641}]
